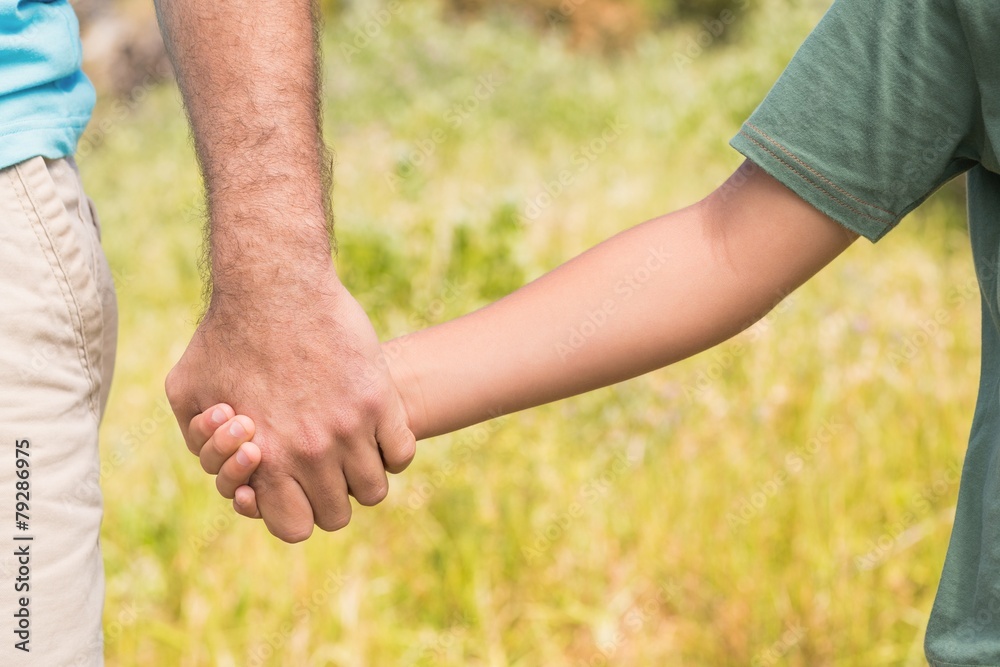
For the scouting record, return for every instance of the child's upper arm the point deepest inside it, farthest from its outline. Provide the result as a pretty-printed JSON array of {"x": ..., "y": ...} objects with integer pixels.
[{"x": 765, "y": 237}]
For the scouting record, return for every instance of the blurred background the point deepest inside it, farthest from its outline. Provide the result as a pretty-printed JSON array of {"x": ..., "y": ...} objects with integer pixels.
[{"x": 786, "y": 498}]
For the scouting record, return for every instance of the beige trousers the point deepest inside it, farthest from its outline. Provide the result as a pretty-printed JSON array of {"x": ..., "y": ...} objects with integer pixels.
[{"x": 58, "y": 330}]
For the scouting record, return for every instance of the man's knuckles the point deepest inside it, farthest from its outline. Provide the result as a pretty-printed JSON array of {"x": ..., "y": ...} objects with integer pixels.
[
  {"x": 372, "y": 493},
  {"x": 292, "y": 536},
  {"x": 173, "y": 387},
  {"x": 335, "y": 523}
]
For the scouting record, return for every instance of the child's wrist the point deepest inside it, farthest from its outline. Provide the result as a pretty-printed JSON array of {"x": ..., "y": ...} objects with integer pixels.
[{"x": 407, "y": 383}]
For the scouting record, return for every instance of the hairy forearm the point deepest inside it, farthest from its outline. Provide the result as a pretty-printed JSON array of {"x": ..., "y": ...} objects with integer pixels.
[
  {"x": 646, "y": 298},
  {"x": 248, "y": 74}
]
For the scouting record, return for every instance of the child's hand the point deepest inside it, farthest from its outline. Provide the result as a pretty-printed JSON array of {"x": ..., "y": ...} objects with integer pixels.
[
  {"x": 222, "y": 443},
  {"x": 232, "y": 457}
]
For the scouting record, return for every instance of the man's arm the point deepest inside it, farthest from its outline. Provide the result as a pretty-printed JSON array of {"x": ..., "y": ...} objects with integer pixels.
[
  {"x": 248, "y": 72},
  {"x": 646, "y": 298},
  {"x": 282, "y": 340}
]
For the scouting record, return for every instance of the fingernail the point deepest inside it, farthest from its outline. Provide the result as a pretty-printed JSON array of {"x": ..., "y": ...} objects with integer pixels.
[
  {"x": 218, "y": 416},
  {"x": 236, "y": 429},
  {"x": 242, "y": 458}
]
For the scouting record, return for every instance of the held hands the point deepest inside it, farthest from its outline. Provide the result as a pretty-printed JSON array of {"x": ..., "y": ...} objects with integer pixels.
[
  {"x": 223, "y": 444},
  {"x": 307, "y": 378}
]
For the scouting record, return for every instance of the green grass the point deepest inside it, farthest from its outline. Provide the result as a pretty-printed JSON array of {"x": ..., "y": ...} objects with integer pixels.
[{"x": 695, "y": 516}]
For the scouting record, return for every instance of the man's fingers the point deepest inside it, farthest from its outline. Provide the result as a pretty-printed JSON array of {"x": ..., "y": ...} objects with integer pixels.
[
  {"x": 397, "y": 444},
  {"x": 365, "y": 475},
  {"x": 236, "y": 471},
  {"x": 224, "y": 443},
  {"x": 204, "y": 425},
  {"x": 245, "y": 502},
  {"x": 326, "y": 490},
  {"x": 284, "y": 507}
]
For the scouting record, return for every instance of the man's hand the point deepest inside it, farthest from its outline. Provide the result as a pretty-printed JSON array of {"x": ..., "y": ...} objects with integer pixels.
[
  {"x": 305, "y": 365},
  {"x": 282, "y": 342}
]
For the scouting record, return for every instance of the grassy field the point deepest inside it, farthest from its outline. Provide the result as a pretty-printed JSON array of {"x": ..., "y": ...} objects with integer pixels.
[{"x": 784, "y": 499}]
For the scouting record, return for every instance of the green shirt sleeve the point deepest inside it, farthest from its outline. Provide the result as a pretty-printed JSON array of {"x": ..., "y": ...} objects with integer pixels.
[{"x": 877, "y": 109}]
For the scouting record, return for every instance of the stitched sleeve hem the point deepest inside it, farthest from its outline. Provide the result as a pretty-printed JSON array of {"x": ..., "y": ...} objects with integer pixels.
[{"x": 810, "y": 183}]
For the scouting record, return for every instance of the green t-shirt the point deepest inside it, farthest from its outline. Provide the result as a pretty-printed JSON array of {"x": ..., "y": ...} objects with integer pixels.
[{"x": 884, "y": 102}]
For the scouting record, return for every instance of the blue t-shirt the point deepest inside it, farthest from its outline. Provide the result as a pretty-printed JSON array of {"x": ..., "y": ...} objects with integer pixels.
[{"x": 45, "y": 99}]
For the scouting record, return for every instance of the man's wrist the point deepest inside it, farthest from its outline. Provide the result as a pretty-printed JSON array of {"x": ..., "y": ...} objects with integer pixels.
[
  {"x": 259, "y": 254},
  {"x": 291, "y": 281},
  {"x": 285, "y": 279}
]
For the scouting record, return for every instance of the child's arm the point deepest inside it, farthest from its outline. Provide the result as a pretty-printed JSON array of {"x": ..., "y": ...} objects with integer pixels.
[
  {"x": 648, "y": 297},
  {"x": 645, "y": 298}
]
